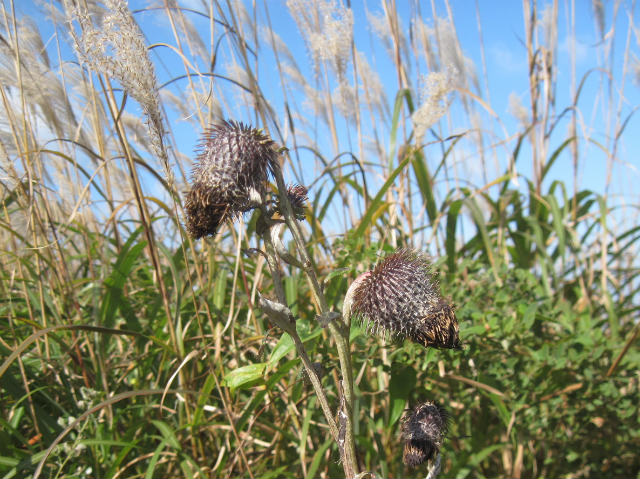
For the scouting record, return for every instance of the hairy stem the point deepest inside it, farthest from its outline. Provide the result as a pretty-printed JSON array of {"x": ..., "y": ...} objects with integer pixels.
[
  {"x": 338, "y": 329},
  {"x": 290, "y": 328}
]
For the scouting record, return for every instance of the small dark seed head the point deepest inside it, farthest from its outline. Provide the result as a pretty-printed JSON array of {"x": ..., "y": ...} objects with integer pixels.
[
  {"x": 423, "y": 429},
  {"x": 297, "y": 195},
  {"x": 402, "y": 297},
  {"x": 230, "y": 174}
]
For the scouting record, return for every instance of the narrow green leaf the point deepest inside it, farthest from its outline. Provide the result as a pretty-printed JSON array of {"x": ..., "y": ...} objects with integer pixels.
[
  {"x": 203, "y": 398},
  {"x": 450, "y": 239},
  {"x": 220, "y": 288},
  {"x": 291, "y": 292},
  {"x": 167, "y": 433},
  {"x": 554, "y": 156},
  {"x": 366, "y": 220},
  {"x": 425, "y": 183},
  {"x": 114, "y": 283},
  {"x": 478, "y": 219},
  {"x": 317, "y": 458},
  {"x": 395, "y": 122},
  {"x": 558, "y": 225}
]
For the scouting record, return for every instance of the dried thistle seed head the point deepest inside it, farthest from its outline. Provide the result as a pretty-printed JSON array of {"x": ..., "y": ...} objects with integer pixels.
[
  {"x": 297, "y": 195},
  {"x": 423, "y": 429},
  {"x": 401, "y": 296},
  {"x": 229, "y": 177}
]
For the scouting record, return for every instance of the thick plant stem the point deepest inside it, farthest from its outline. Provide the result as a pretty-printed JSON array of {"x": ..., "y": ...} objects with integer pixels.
[
  {"x": 434, "y": 468},
  {"x": 338, "y": 329},
  {"x": 290, "y": 328},
  {"x": 341, "y": 335}
]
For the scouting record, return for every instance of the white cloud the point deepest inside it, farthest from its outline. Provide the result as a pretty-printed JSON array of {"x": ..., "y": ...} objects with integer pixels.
[
  {"x": 579, "y": 49},
  {"x": 510, "y": 59}
]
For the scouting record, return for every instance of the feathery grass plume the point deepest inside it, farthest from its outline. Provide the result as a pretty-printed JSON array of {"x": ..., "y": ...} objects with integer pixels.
[
  {"x": 327, "y": 27},
  {"x": 229, "y": 177},
  {"x": 435, "y": 102},
  {"x": 402, "y": 297},
  {"x": 518, "y": 110},
  {"x": 423, "y": 429},
  {"x": 117, "y": 48}
]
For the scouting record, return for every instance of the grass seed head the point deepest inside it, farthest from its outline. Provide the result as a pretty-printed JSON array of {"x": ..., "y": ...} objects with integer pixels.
[{"x": 230, "y": 175}]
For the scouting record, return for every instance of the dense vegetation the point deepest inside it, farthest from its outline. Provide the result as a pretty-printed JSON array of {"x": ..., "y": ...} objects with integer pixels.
[{"x": 130, "y": 350}]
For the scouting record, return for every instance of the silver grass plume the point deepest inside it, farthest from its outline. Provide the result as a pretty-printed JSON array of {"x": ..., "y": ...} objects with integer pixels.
[
  {"x": 402, "y": 297},
  {"x": 230, "y": 175},
  {"x": 116, "y": 48},
  {"x": 423, "y": 429}
]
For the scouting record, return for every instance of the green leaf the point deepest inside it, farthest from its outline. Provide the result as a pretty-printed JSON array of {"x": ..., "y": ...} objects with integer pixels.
[
  {"x": 395, "y": 121},
  {"x": 480, "y": 456},
  {"x": 167, "y": 434},
  {"x": 203, "y": 397},
  {"x": 244, "y": 375},
  {"x": 259, "y": 396},
  {"x": 114, "y": 283},
  {"x": 425, "y": 183},
  {"x": 366, "y": 220},
  {"x": 529, "y": 316},
  {"x": 450, "y": 241},
  {"x": 402, "y": 382},
  {"x": 220, "y": 288},
  {"x": 503, "y": 412},
  {"x": 285, "y": 344},
  {"x": 317, "y": 457},
  {"x": 291, "y": 292}
]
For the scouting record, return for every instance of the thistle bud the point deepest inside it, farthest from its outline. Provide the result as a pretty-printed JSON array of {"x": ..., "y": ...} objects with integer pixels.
[
  {"x": 229, "y": 176},
  {"x": 423, "y": 429},
  {"x": 297, "y": 195},
  {"x": 401, "y": 296}
]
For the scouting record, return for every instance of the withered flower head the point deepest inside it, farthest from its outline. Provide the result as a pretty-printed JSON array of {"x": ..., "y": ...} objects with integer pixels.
[
  {"x": 402, "y": 297},
  {"x": 229, "y": 176},
  {"x": 423, "y": 429},
  {"x": 297, "y": 195}
]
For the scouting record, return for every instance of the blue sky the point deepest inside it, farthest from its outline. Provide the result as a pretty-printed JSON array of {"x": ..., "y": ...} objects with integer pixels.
[{"x": 506, "y": 74}]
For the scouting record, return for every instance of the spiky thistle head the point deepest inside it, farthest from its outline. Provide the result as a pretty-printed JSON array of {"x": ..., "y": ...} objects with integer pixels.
[
  {"x": 401, "y": 296},
  {"x": 423, "y": 429},
  {"x": 297, "y": 195},
  {"x": 229, "y": 177}
]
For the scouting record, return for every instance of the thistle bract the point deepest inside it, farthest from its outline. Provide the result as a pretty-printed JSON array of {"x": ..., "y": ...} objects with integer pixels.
[
  {"x": 229, "y": 177},
  {"x": 423, "y": 429},
  {"x": 401, "y": 296}
]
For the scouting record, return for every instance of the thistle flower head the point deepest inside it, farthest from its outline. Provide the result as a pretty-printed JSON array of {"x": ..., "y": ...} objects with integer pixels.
[
  {"x": 401, "y": 296},
  {"x": 229, "y": 177},
  {"x": 297, "y": 195},
  {"x": 423, "y": 429}
]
